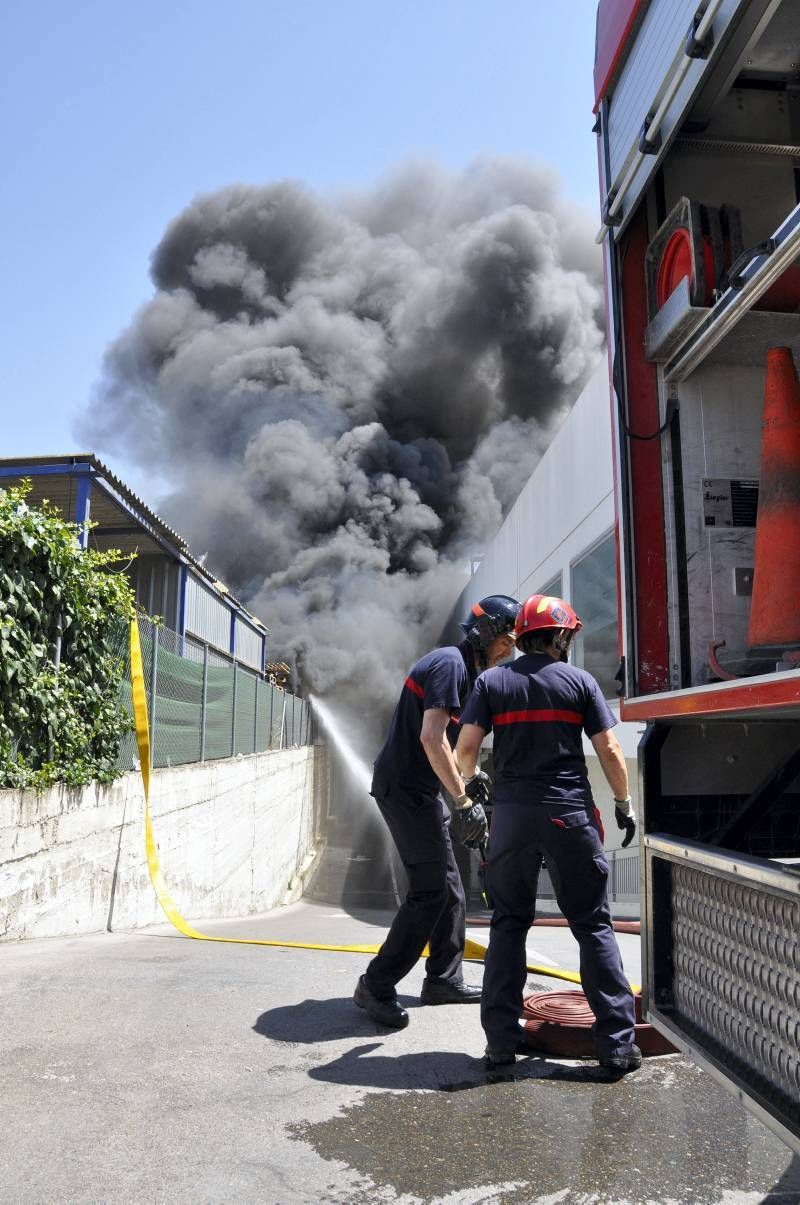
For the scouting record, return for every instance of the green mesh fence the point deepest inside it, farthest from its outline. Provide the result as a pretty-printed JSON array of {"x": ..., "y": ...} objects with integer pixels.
[
  {"x": 202, "y": 706},
  {"x": 263, "y": 714},
  {"x": 244, "y": 726},
  {"x": 219, "y": 713},
  {"x": 176, "y": 702},
  {"x": 278, "y": 724}
]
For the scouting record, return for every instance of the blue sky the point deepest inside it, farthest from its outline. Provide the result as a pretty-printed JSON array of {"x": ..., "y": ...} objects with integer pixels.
[{"x": 114, "y": 115}]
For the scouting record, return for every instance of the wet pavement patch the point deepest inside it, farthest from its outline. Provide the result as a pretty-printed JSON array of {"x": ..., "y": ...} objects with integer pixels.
[{"x": 666, "y": 1134}]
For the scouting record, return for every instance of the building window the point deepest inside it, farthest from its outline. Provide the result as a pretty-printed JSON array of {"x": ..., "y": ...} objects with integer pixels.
[
  {"x": 594, "y": 597},
  {"x": 552, "y": 588}
]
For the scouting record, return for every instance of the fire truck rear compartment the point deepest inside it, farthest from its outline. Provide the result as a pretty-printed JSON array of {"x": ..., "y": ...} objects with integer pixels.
[
  {"x": 702, "y": 230},
  {"x": 737, "y": 154},
  {"x": 732, "y": 784}
]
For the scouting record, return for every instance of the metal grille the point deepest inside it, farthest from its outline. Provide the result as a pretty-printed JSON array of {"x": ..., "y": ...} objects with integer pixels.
[
  {"x": 207, "y": 616},
  {"x": 623, "y": 878},
  {"x": 202, "y": 705},
  {"x": 736, "y": 978}
]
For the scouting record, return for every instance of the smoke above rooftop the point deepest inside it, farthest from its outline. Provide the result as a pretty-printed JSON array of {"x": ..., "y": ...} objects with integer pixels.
[{"x": 349, "y": 393}]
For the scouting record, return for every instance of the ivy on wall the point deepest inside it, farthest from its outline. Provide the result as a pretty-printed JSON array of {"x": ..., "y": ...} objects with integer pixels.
[{"x": 63, "y": 650}]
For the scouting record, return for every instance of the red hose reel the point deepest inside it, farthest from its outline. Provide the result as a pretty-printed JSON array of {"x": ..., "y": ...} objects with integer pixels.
[
  {"x": 697, "y": 243},
  {"x": 561, "y": 1023},
  {"x": 677, "y": 261}
]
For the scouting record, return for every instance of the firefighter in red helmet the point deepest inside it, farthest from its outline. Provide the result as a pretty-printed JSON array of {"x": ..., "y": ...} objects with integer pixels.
[
  {"x": 415, "y": 764},
  {"x": 539, "y": 707}
]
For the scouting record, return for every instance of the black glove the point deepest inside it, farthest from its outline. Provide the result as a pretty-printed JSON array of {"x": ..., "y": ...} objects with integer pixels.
[
  {"x": 626, "y": 819},
  {"x": 469, "y": 824},
  {"x": 478, "y": 787}
]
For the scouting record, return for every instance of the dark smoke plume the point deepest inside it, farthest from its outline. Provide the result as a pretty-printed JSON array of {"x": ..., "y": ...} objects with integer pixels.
[{"x": 350, "y": 394}]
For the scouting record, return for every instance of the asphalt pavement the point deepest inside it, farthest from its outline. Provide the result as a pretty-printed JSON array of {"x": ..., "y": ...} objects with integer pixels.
[{"x": 147, "y": 1067}]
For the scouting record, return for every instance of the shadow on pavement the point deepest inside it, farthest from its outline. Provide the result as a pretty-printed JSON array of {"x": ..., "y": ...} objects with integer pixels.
[
  {"x": 335, "y": 1020},
  {"x": 439, "y": 1070},
  {"x": 786, "y": 1191},
  {"x": 322, "y": 1021}
]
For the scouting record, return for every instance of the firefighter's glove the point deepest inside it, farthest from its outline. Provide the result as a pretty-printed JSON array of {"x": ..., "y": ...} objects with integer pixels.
[
  {"x": 478, "y": 788},
  {"x": 468, "y": 822},
  {"x": 626, "y": 819}
]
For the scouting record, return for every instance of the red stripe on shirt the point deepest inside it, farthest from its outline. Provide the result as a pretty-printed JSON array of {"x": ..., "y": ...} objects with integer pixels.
[
  {"x": 600, "y": 828},
  {"x": 415, "y": 688},
  {"x": 538, "y": 717}
]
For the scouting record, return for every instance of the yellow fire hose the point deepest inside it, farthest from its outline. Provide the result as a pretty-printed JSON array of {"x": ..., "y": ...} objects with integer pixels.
[{"x": 473, "y": 951}]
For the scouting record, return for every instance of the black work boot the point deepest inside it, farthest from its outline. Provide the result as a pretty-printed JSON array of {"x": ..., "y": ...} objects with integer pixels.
[
  {"x": 496, "y": 1058},
  {"x": 385, "y": 1012},
  {"x": 630, "y": 1060},
  {"x": 438, "y": 991}
]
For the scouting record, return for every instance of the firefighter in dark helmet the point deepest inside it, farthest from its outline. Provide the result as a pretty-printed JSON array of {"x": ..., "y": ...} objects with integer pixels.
[
  {"x": 412, "y": 769},
  {"x": 538, "y": 708}
]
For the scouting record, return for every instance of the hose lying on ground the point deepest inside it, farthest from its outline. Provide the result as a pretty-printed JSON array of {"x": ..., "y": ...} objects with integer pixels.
[{"x": 473, "y": 951}]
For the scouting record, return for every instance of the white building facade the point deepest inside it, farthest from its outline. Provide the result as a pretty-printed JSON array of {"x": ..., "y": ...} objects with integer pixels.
[{"x": 558, "y": 538}]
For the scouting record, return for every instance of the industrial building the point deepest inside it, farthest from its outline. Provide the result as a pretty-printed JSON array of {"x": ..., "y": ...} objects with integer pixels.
[{"x": 170, "y": 584}]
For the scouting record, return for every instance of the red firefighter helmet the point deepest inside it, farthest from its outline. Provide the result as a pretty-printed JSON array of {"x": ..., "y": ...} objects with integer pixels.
[{"x": 545, "y": 611}]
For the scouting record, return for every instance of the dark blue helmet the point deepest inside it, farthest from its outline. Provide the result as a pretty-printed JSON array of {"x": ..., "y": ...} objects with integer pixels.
[{"x": 491, "y": 617}]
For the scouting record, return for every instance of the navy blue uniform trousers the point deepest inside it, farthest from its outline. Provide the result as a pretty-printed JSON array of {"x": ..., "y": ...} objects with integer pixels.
[
  {"x": 568, "y": 837},
  {"x": 434, "y": 910}
]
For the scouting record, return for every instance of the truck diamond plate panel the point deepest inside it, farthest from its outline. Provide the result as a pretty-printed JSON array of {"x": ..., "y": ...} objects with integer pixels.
[{"x": 736, "y": 978}]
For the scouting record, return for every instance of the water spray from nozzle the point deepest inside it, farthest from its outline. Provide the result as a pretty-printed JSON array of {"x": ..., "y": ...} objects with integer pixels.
[{"x": 358, "y": 768}]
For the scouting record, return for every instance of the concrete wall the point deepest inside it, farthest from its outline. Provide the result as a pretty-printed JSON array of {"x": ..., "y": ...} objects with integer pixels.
[{"x": 234, "y": 837}]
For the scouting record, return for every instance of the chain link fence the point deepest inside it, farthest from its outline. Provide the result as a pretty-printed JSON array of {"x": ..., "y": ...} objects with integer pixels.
[{"x": 202, "y": 705}]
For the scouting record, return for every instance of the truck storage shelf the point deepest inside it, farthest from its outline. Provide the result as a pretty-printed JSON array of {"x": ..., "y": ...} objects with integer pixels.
[
  {"x": 686, "y": 347},
  {"x": 742, "y": 698},
  {"x": 745, "y": 345},
  {"x": 752, "y": 337}
]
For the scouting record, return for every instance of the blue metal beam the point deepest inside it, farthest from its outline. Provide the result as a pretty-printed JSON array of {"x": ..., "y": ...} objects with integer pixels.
[
  {"x": 83, "y": 502},
  {"x": 47, "y": 470},
  {"x": 84, "y": 470},
  {"x": 86, "y": 473}
]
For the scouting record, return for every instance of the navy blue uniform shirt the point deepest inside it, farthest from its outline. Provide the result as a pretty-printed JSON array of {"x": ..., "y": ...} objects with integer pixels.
[
  {"x": 538, "y": 708},
  {"x": 439, "y": 679}
]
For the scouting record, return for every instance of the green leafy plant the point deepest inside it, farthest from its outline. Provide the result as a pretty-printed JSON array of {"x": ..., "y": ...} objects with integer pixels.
[{"x": 63, "y": 650}]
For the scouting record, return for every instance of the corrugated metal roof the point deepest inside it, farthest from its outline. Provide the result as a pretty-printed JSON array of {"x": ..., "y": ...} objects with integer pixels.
[{"x": 147, "y": 517}]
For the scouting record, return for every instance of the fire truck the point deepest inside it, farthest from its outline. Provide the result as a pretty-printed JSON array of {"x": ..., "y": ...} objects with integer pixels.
[{"x": 698, "y": 135}]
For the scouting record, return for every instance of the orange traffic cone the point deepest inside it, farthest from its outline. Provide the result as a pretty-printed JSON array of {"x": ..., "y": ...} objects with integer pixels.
[{"x": 775, "y": 605}]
